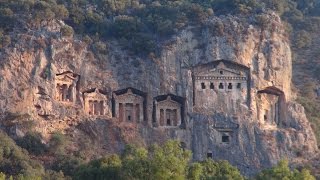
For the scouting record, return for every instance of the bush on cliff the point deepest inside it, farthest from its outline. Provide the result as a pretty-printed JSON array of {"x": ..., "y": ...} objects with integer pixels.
[
  {"x": 15, "y": 160},
  {"x": 32, "y": 142}
]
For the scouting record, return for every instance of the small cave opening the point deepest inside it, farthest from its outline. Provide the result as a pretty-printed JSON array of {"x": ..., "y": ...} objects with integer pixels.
[{"x": 225, "y": 139}]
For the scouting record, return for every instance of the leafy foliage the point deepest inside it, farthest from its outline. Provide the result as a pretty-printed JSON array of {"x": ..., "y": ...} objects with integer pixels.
[
  {"x": 58, "y": 143},
  {"x": 32, "y": 143},
  {"x": 66, "y": 31},
  {"x": 167, "y": 162},
  {"x": 139, "y": 25},
  {"x": 282, "y": 171},
  {"x": 14, "y": 160}
]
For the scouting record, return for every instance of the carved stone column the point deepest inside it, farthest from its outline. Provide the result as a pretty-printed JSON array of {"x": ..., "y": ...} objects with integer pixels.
[
  {"x": 134, "y": 113},
  {"x": 157, "y": 120},
  {"x": 178, "y": 116},
  {"x": 141, "y": 112}
]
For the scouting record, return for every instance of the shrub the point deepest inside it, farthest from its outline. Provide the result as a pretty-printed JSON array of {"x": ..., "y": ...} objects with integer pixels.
[
  {"x": 125, "y": 26},
  {"x": 282, "y": 171},
  {"x": 87, "y": 39},
  {"x": 14, "y": 160},
  {"x": 32, "y": 143},
  {"x": 5, "y": 41},
  {"x": 101, "y": 47},
  {"x": 53, "y": 175},
  {"x": 60, "y": 11},
  {"x": 104, "y": 168},
  {"x": 58, "y": 143},
  {"x": 262, "y": 21},
  {"x": 143, "y": 44},
  {"x": 217, "y": 29},
  {"x": 66, "y": 31},
  {"x": 196, "y": 13},
  {"x": 67, "y": 164},
  {"x": 219, "y": 170},
  {"x": 302, "y": 39}
]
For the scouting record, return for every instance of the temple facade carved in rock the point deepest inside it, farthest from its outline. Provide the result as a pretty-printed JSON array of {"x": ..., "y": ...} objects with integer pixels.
[
  {"x": 65, "y": 87},
  {"x": 168, "y": 110},
  {"x": 96, "y": 103},
  {"x": 270, "y": 106},
  {"x": 221, "y": 86},
  {"x": 129, "y": 105}
]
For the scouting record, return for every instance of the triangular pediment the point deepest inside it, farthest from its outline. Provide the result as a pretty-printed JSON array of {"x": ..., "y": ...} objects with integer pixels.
[
  {"x": 95, "y": 95},
  {"x": 129, "y": 96},
  {"x": 221, "y": 68},
  {"x": 168, "y": 100}
]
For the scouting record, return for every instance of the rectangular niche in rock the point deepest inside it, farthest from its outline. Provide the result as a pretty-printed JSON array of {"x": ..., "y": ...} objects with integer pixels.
[
  {"x": 168, "y": 110},
  {"x": 65, "y": 87},
  {"x": 271, "y": 104},
  {"x": 225, "y": 137},
  {"x": 129, "y": 105},
  {"x": 225, "y": 129},
  {"x": 96, "y": 103},
  {"x": 221, "y": 86}
]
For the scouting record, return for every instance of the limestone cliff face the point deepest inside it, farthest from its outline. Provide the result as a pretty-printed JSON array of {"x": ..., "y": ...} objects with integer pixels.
[{"x": 229, "y": 86}]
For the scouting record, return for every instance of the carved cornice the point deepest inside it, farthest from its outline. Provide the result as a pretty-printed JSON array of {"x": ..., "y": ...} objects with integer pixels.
[
  {"x": 220, "y": 78},
  {"x": 225, "y": 125}
]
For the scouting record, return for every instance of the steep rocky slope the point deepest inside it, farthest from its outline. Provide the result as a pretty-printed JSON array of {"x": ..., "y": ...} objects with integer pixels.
[{"x": 253, "y": 128}]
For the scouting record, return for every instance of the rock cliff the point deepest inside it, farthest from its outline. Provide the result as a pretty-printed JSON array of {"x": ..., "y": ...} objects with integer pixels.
[{"x": 223, "y": 90}]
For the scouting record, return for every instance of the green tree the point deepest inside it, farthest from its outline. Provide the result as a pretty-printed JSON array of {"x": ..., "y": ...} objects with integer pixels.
[
  {"x": 105, "y": 168},
  {"x": 6, "y": 18},
  {"x": 66, "y": 31},
  {"x": 2, "y": 176},
  {"x": 58, "y": 143},
  {"x": 302, "y": 39},
  {"x": 136, "y": 164},
  {"x": 216, "y": 170},
  {"x": 169, "y": 161},
  {"x": 195, "y": 171},
  {"x": 283, "y": 172},
  {"x": 15, "y": 161},
  {"x": 33, "y": 143},
  {"x": 60, "y": 11},
  {"x": 67, "y": 164}
]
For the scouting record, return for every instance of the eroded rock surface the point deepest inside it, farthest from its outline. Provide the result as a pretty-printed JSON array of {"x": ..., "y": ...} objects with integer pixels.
[{"x": 230, "y": 82}]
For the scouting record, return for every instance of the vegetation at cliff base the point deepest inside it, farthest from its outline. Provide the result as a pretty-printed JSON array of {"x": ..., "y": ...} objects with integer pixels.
[
  {"x": 169, "y": 161},
  {"x": 16, "y": 161}
]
